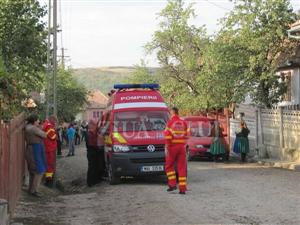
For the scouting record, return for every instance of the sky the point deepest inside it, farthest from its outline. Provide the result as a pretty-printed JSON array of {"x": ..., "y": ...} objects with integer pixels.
[{"x": 100, "y": 33}]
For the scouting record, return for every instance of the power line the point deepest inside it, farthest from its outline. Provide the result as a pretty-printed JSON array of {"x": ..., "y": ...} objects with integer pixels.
[{"x": 216, "y": 5}]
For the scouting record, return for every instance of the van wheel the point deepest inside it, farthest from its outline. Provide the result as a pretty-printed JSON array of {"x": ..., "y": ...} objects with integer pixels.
[
  {"x": 112, "y": 178},
  {"x": 188, "y": 154}
]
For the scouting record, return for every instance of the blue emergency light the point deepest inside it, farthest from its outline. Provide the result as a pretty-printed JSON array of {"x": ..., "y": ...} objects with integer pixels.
[{"x": 141, "y": 86}]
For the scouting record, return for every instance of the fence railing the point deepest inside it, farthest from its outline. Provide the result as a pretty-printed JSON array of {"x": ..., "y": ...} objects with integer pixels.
[
  {"x": 12, "y": 160},
  {"x": 275, "y": 131}
]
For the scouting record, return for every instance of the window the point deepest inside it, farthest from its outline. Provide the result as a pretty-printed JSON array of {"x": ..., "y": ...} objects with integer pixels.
[
  {"x": 200, "y": 128},
  {"x": 94, "y": 115},
  {"x": 140, "y": 121},
  {"x": 287, "y": 78}
]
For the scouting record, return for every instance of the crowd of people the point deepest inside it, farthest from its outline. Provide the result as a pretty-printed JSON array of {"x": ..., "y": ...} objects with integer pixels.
[{"x": 44, "y": 142}]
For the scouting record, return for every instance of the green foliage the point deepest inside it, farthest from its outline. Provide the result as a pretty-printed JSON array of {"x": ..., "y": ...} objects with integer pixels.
[
  {"x": 201, "y": 73},
  {"x": 23, "y": 51},
  {"x": 71, "y": 96},
  {"x": 178, "y": 44},
  {"x": 142, "y": 75},
  {"x": 260, "y": 27},
  {"x": 9, "y": 94}
]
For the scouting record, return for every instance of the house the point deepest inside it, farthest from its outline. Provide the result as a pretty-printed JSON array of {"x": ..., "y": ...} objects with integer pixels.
[
  {"x": 290, "y": 74},
  {"x": 294, "y": 32},
  {"x": 95, "y": 106}
]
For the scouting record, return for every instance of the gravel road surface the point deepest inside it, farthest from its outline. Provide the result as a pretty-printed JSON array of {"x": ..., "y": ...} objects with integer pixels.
[{"x": 218, "y": 193}]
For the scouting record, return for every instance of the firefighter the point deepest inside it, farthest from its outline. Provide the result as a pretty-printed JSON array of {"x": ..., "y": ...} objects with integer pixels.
[
  {"x": 95, "y": 155},
  {"x": 50, "y": 143},
  {"x": 175, "y": 135}
]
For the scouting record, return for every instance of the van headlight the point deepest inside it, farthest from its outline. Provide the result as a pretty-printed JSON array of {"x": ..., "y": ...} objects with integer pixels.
[
  {"x": 121, "y": 148},
  {"x": 199, "y": 146}
]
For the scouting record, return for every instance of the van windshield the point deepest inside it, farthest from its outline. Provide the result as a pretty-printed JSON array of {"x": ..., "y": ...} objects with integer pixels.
[
  {"x": 140, "y": 121},
  {"x": 200, "y": 128}
]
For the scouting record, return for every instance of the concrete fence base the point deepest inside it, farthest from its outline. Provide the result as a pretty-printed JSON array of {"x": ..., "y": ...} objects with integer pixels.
[{"x": 4, "y": 218}]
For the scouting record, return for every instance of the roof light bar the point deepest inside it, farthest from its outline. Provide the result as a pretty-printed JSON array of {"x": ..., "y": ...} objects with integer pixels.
[{"x": 141, "y": 86}]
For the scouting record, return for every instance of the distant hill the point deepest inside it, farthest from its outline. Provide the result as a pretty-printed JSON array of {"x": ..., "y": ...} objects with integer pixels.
[{"x": 103, "y": 78}]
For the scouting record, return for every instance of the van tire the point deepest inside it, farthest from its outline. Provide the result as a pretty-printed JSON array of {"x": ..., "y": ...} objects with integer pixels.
[{"x": 112, "y": 178}]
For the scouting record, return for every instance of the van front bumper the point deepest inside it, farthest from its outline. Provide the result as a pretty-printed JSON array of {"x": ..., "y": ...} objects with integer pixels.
[{"x": 134, "y": 164}]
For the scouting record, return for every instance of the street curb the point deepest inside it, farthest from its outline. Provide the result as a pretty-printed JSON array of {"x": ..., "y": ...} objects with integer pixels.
[
  {"x": 4, "y": 212},
  {"x": 294, "y": 166}
]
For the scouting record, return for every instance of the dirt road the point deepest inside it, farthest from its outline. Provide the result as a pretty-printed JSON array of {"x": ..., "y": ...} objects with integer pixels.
[{"x": 218, "y": 194}]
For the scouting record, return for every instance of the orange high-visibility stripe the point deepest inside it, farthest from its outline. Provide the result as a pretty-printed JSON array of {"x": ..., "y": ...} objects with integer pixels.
[
  {"x": 179, "y": 141},
  {"x": 108, "y": 140},
  {"x": 168, "y": 137},
  {"x": 172, "y": 177},
  {"x": 48, "y": 174},
  {"x": 182, "y": 183},
  {"x": 119, "y": 138},
  {"x": 171, "y": 173},
  {"x": 179, "y": 132},
  {"x": 50, "y": 130},
  {"x": 54, "y": 136},
  {"x": 182, "y": 178}
]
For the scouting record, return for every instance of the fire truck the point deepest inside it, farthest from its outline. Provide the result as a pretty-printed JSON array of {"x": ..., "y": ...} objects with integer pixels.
[{"x": 132, "y": 130}]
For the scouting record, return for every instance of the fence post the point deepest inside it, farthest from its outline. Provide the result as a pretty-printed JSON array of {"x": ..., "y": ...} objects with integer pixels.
[
  {"x": 256, "y": 129},
  {"x": 261, "y": 128},
  {"x": 281, "y": 137}
]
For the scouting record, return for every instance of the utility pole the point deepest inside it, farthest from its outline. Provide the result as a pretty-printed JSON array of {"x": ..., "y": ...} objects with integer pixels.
[
  {"x": 63, "y": 58},
  {"x": 49, "y": 75},
  {"x": 54, "y": 56}
]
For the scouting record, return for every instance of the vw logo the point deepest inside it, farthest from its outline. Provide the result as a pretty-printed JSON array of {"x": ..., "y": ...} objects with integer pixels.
[{"x": 151, "y": 148}]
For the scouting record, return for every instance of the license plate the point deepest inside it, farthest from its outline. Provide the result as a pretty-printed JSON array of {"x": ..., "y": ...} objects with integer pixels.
[{"x": 152, "y": 168}]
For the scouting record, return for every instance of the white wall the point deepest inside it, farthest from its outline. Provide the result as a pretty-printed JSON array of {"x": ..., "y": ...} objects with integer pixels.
[{"x": 295, "y": 76}]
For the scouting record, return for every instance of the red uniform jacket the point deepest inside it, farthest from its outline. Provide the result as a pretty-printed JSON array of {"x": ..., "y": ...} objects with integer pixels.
[
  {"x": 176, "y": 131},
  {"x": 50, "y": 141}
]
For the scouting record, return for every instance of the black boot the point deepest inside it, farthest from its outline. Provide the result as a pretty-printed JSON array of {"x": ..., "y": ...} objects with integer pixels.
[
  {"x": 243, "y": 157},
  {"x": 49, "y": 183},
  {"x": 171, "y": 189}
]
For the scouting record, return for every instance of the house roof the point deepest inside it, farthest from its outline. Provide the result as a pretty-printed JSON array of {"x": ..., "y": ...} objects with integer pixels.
[
  {"x": 294, "y": 31},
  {"x": 296, "y": 24},
  {"x": 97, "y": 99}
]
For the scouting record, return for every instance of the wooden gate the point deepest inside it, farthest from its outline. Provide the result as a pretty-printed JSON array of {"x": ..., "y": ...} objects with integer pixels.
[{"x": 12, "y": 160}]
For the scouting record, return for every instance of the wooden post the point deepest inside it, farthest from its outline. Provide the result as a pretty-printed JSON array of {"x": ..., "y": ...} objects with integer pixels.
[
  {"x": 256, "y": 129},
  {"x": 228, "y": 128},
  {"x": 261, "y": 128},
  {"x": 281, "y": 137}
]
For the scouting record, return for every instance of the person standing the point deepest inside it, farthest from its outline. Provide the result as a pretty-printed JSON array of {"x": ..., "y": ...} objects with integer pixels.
[
  {"x": 95, "y": 155},
  {"x": 77, "y": 135},
  {"x": 241, "y": 145},
  {"x": 50, "y": 147},
  {"x": 59, "y": 140},
  {"x": 175, "y": 135},
  {"x": 217, "y": 147},
  {"x": 84, "y": 127},
  {"x": 35, "y": 154},
  {"x": 71, "y": 139}
]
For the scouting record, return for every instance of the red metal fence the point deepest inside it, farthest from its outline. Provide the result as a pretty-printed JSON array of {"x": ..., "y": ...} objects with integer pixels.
[{"x": 12, "y": 160}]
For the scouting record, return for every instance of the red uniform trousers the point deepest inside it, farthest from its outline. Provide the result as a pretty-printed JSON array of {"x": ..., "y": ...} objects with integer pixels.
[
  {"x": 176, "y": 155},
  {"x": 51, "y": 160}
]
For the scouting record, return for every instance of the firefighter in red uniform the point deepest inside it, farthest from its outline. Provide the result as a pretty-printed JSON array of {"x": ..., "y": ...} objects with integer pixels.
[
  {"x": 175, "y": 135},
  {"x": 50, "y": 148}
]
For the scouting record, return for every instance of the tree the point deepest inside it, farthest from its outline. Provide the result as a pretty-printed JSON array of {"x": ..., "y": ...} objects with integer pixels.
[
  {"x": 23, "y": 50},
  {"x": 260, "y": 27},
  {"x": 179, "y": 49},
  {"x": 142, "y": 75},
  {"x": 71, "y": 96}
]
